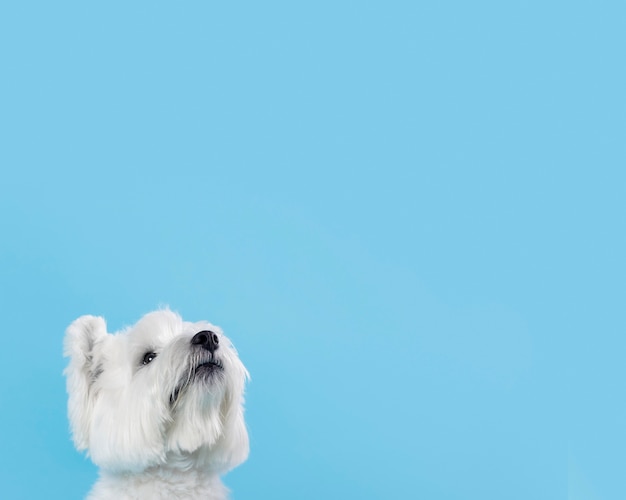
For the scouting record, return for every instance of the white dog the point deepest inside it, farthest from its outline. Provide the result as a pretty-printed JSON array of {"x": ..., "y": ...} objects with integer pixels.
[{"x": 158, "y": 407}]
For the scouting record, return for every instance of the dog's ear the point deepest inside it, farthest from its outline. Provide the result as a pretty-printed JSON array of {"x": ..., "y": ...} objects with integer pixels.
[{"x": 83, "y": 339}]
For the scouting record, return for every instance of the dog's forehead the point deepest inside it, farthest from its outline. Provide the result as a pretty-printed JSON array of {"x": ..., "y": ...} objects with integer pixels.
[{"x": 162, "y": 326}]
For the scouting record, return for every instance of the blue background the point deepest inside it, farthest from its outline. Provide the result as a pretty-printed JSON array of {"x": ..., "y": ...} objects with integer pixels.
[{"x": 409, "y": 217}]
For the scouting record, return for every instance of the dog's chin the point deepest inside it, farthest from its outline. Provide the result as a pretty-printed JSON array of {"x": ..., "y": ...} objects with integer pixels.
[{"x": 206, "y": 373}]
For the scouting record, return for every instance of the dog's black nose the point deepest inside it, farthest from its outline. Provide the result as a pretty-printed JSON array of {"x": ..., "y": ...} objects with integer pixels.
[{"x": 207, "y": 339}]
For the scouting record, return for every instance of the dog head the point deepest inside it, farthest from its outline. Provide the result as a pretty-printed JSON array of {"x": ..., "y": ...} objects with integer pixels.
[{"x": 164, "y": 391}]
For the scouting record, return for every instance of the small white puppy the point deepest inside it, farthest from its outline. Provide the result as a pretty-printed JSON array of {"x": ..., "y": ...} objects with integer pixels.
[{"x": 158, "y": 406}]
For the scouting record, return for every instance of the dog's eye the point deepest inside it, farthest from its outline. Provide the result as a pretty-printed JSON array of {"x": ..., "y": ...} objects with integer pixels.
[{"x": 149, "y": 357}]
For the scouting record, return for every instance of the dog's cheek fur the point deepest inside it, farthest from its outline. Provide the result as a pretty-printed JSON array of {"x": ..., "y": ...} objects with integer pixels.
[
  {"x": 232, "y": 447},
  {"x": 82, "y": 343},
  {"x": 127, "y": 431}
]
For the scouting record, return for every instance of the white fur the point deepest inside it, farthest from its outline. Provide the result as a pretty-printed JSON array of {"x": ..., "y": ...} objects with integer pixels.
[{"x": 148, "y": 443}]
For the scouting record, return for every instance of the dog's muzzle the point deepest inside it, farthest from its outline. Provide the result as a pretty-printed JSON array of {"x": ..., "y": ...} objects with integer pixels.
[{"x": 207, "y": 364}]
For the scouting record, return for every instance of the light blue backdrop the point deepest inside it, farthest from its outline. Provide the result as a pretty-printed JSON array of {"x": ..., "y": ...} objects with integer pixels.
[{"x": 409, "y": 217}]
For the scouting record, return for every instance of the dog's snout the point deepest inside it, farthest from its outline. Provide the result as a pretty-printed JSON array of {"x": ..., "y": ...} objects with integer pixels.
[{"x": 207, "y": 339}]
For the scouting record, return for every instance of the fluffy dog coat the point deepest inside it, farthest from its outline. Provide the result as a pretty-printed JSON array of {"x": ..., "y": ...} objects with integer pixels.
[{"x": 158, "y": 406}]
